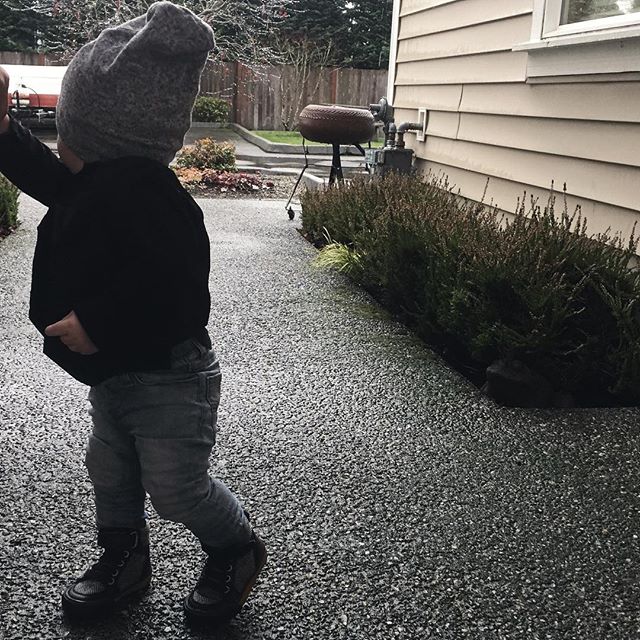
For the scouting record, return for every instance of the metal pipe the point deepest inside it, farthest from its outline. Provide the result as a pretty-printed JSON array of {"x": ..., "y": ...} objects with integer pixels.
[
  {"x": 410, "y": 126},
  {"x": 402, "y": 129},
  {"x": 382, "y": 111},
  {"x": 390, "y": 140}
]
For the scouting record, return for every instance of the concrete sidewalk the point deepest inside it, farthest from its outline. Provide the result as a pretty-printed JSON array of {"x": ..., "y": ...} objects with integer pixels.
[
  {"x": 396, "y": 501},
  {"x": 252, "y": 157}
]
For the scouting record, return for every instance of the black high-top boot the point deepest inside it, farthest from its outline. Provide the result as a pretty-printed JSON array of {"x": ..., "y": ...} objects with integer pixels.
[
  {"x": 122, "y": 574},
  {"x": 225, "y": 583}
]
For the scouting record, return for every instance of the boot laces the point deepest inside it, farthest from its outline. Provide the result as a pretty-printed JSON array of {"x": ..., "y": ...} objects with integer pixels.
[
  {"x": 216, "y": 577},
  {"x": 108, "y": 567}
]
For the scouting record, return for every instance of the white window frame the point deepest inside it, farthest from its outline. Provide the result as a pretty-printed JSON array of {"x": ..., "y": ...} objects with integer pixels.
[
  {"x": 600, "y": 49},
  {"x": 393, "y": 51},
  {"x": 552, "y": 16}
]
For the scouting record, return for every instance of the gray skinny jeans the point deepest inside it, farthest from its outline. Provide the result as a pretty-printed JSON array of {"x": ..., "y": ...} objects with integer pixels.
[{"x": 153, "y": 433}]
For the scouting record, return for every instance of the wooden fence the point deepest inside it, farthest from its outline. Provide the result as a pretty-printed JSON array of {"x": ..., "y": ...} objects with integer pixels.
[
  {"x": 20, "y": 57},
  {"x": 270, "y": 97}
]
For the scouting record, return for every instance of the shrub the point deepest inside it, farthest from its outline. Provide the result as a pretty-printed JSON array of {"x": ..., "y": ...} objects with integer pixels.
[
  {"x": 229, "y": 181},
  {"x": 537, "y": 288},
  {"x": 208, "y": 154},
  {"x": 208, "y": 109},
  {"x": 8, "y": 206},
  {"x": 222, "y": 180},
  {"x": 189, "y": 176}
]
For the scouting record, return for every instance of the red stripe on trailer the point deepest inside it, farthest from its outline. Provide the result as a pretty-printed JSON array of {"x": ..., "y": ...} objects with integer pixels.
[{"x": 36, "y": 100}]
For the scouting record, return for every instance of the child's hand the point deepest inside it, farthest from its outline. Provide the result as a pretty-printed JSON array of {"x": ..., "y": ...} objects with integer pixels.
[
  {"x": 4, "y": 100},
  {"x": 72, "y": 334}
]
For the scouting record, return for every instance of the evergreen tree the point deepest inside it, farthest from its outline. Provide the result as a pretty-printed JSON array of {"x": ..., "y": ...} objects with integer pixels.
[
  {"x": 369, "y": 34},
  {"x": 315, "y": 20},
  {"x": 356, "y": 31},
  {"x": 320, "y": 23},
  {"x": 359, "y": 30},
  {"x": 21, "y": 29}
]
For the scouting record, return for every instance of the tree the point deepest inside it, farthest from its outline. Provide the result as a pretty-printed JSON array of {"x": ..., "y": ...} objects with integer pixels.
[
  {"x": 359, "y": 30},
  {"x": 368, "y": 37},
  {"x": 20, "y": 30},
  {"x": 304, "y": 59},
  {"x": 313, "y": 23},
  {"x": 242, "y": 27}
]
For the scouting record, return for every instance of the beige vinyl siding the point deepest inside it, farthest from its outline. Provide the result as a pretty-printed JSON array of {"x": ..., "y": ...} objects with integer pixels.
[
  {"x": 562, "y": 138},
  {"x": 540, "y": 170},
  {"x": 607, "y": 101},
  {"x": 451, "y": 16},
  {"x": 455, "y": 58},
  {"x": 484, "y": 38},
  {"x": 600, "y": 216},
  {"x": 505, "y": 67}
]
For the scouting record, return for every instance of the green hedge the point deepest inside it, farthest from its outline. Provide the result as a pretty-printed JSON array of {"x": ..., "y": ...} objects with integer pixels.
[
  {"x": 207, "y": 109},
  {"x": 8, "y": 206},
  {"x": 537, "y": 288}
]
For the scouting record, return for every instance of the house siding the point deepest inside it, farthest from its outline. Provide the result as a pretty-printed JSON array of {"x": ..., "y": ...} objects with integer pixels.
[{"x": 455, "y": 58}]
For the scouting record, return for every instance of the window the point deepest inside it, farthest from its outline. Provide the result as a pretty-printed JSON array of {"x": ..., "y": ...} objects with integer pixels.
[
  {"x": 563, "y": 17},
  {"x": 583, "y": 10},
  {"x": 584, "y": 40}
]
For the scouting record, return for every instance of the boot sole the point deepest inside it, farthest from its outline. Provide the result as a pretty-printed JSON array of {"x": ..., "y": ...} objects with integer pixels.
[
  {"x": 198, "y": 617},
  {"x": 88, "y": 610}
]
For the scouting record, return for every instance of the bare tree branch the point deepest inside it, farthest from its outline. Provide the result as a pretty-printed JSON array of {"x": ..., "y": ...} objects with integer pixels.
[
  {"x": 304, "y": 61},
  {"x": 243, "y": 28}
]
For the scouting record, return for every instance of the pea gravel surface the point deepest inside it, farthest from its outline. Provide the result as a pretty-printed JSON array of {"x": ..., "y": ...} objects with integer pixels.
[{"x": 395, "y": 500}]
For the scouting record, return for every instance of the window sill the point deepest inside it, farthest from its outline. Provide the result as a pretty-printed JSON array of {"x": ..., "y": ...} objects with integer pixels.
[
  {"x": 585, "y": 56},
  {"x": 557, "y": 39}
]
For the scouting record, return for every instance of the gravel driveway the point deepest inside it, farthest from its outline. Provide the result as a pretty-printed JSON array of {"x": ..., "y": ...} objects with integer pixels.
[{"x": 395, "y": 500}]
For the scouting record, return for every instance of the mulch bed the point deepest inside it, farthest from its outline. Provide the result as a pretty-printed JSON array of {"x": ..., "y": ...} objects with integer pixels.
[
  {"x": 281, "y": 190},
  {"x": 5, "y": 231}
]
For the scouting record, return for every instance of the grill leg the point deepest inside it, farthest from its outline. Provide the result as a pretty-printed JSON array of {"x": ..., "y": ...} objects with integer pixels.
[{"x": 336, "y": 166}]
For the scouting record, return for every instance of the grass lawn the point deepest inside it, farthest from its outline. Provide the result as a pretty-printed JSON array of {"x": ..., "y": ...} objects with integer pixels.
[
  {"x": 283, "y": 137},
  {"x": 292, "y": 137}
]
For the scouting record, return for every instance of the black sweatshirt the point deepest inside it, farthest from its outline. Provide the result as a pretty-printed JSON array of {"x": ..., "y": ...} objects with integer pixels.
[{"x": 124, "y": 246}]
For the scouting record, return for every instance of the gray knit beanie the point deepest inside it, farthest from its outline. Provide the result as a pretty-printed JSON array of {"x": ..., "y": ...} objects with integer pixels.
[{"x": 130, "y": 91}]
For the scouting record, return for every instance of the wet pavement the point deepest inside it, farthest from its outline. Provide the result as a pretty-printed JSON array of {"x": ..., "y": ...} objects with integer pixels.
[
  {"x": 250, "y": 156},
  {"x": 396, "y": 501}
]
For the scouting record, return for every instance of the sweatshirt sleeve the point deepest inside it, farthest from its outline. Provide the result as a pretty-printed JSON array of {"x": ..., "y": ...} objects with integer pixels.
[
  {"x": 158, "y": 245},
  {"x": 30, "y": 164}
]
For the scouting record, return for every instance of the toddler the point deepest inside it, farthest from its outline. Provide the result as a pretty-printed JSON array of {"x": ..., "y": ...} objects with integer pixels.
[{"x": 120, "y": 293}]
